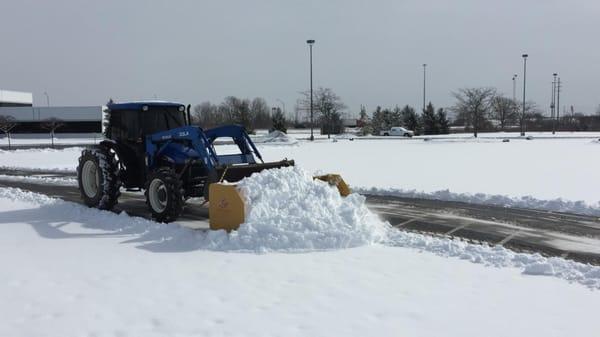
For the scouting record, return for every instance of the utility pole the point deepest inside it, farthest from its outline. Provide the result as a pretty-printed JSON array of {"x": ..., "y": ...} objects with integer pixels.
[
  {"x": 424, "y": 83},
  {"x": 524, "y": 86},
  {"x": 558, "y": 104}
]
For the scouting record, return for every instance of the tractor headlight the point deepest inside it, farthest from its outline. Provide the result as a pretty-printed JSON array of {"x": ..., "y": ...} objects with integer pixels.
[
  {"x": 145, "y": 108},
  {"x": 181, "y": 108}
]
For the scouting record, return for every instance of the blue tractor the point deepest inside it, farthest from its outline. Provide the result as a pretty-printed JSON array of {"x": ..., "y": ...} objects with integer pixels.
[{"x": 153, "y": 146}]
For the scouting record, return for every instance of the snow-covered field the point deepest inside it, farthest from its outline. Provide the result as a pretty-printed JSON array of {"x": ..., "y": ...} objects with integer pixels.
[
  {"x": 307, "y": 263},
  {"x": 554, "y": 174}
]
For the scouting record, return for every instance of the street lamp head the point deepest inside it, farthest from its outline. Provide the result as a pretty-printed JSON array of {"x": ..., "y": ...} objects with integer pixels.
[
  {"x": 525, "y": 56},
  {"x": 424, "y": 64},
  {"x": 555, "y": 74},
  {"x": 310, "y": 41}
]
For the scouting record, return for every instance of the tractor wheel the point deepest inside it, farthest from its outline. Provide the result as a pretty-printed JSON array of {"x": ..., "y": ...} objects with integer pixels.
[
  {"x": 98, "y": 178},
  {"x": 164, "y": 195}
]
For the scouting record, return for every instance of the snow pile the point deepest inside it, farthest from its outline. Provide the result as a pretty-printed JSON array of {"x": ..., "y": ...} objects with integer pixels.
[
  {"x": 278, "y": 137},
  {"x": 498, "y": 256},
  {"x": 555, "y": 205},
  {"x": 287, "y": 210}
]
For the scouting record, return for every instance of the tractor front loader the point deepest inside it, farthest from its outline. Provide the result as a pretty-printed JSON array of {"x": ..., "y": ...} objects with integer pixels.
[{"x": 152, "y": 146}]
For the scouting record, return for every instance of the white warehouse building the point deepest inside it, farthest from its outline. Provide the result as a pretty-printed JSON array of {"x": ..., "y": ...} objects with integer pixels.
[{"x": 76, "y": 119}]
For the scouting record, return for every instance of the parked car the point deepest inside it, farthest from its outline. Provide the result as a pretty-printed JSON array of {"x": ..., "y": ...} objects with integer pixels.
[{"x": 397, "y": 131}]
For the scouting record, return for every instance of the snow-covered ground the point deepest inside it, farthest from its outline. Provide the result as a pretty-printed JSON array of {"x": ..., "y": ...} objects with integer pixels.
[
  {"x": 553, "y": 174},
  {"x": 70, "y": 270}
]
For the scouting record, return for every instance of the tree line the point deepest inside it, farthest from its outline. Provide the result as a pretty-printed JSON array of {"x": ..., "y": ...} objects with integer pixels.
[
  {"x": 430, "y": 122},
  {"x": 484, "y": 109}
]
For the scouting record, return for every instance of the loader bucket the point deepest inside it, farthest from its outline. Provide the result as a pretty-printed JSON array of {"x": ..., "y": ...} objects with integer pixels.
[
  {"x": 227, "y": 209},
  {"x": 337, "y": 181}
]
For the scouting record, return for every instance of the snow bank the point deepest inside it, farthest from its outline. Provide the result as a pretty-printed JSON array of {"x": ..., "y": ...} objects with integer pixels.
[
  {"x": 41, "y": 180},
  {"x": 555, "y": 205},
  {"x": 498, "y": 256},
  {"x": 287, "y": 210},
  {"x": 277, "y": 137}
]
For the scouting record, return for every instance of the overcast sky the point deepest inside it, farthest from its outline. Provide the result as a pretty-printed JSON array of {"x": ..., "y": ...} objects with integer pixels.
[{"x": 369, "y": 52}]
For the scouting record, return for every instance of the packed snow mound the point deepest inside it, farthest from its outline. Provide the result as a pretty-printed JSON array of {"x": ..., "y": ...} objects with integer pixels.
[
  {"x": 287, "y": 210},
  {"x": 278, "y": 137}
]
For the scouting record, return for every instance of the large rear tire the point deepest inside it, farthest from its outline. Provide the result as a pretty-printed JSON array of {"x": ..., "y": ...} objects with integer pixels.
[
  {"x": 98, "y": 178},
  {"x": 164, "y": 195}
]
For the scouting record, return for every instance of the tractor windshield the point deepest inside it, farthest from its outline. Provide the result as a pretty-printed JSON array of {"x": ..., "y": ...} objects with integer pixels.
[{"x": 161, "y": 119}]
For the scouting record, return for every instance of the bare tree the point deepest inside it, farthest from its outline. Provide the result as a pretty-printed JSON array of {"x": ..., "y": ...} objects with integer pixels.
[
  {"x": 504, "y": 110},
  {"x": 7, "y": 123},
  {"x": 207, "y": 115},
  {"x": 261, "y": 113},
  {"x": 52, "y": 124},
  {"x": 328, "y": 106},
  {"x": 473, "y": 105}
]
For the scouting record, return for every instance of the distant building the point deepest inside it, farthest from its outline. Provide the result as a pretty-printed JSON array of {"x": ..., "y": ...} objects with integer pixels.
[
  {"x": 30, "y": 119},
  {"x": 10, "y": 98}
]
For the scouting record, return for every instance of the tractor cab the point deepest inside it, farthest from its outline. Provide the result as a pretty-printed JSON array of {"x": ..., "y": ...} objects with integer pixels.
[
  {"x": 131, "y": 122},
  {"x": 128, "y": 124}
]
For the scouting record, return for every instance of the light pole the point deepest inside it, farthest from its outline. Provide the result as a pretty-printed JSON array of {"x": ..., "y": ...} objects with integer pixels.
[
  {"x": 553, "y": 104},
  {"x": 515, "y": 88},
  {"x": 282, "y": 104},
  {"x": 310, "y": 45},
  {"x": 424, "y": 82},
  {"x": 47, "y": 98},
  {"x": 524, "y": 85}
]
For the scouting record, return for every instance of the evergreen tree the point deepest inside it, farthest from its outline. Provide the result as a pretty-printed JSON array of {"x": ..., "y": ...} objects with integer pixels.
[
  {"x": 363, "y": 116},
  {"x": 430, "y": 123},
  {"x": 442, "y": 121},
  {"x": 278, "y": 121},
  {"x": 410, "y": 119},
  {"x": 378, "y": 122}
]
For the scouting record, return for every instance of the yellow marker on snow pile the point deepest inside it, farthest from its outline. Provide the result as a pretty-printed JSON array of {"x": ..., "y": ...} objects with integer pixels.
[{"x": 227, "y": 209}]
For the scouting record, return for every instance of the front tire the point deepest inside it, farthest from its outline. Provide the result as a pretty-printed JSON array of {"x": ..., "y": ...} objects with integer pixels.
[
  {"x": 164, "y": 195},
  {"x": 98, "y": 178}
]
